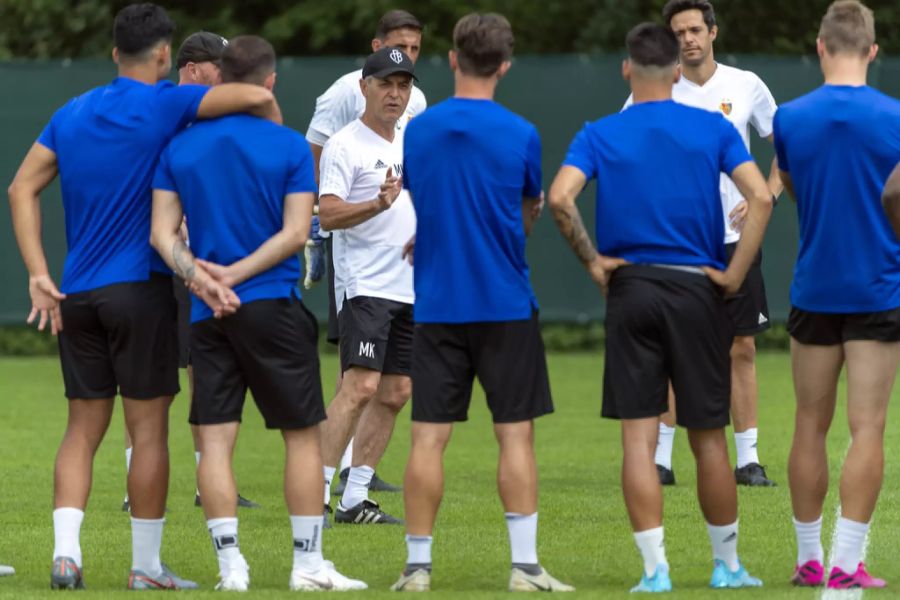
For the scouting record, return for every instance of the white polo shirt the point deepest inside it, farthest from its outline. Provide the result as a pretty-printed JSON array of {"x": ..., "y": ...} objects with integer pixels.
[
  {"x": 367, "y": 256},
  {"x": 742, "y": 98}
]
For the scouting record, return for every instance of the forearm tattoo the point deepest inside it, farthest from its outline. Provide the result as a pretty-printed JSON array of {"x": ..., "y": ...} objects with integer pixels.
[
  {"x": 183, "y": 259},
  {"x": 568, "y": 219}
]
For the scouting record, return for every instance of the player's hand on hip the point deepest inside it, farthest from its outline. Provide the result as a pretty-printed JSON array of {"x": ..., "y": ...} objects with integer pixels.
[
  {"x": 390, "y": 189},
  {"x": 409, "y": 249},
  {"x": 45, "y": 299},
  {"x": 737, "y": 216},
  {"x": 729, "y": 284},
  {"x": 602, "y": 267}
]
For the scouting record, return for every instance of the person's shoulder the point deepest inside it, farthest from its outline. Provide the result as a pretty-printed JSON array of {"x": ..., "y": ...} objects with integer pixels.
[
  {"x": 417, "y": 100},
  {"x": 737, "y": 74},
  {"x": 803, "y": 104},
  {"x": 346, "y": 134},
  {"x": 885, "y": 101}
]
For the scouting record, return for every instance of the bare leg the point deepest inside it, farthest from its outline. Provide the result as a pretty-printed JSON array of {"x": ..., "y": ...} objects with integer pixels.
[
  {"x": 303, "y": 484},
  {"x": 375, "y": 426},
  {"x": 148, "y": 480},
  {"x": 744, "y": 389},
  {"x": 423, "y": 484},
  {"x": 359, "y": 385},
  {"x": 215, "y": 475},
  {"x": 88, "y": 421},
  {"x": 640, "y": 482},
  {"x": 716, "y": 488},
  {"x": 517, "y": 479}
]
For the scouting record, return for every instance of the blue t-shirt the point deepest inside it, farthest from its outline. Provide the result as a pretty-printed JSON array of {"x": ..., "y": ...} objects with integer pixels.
[
  {"x": 657, "y": 166},
  {"x": 468, "y": 164},
  {"x": 839, "y": 144},
  {"x": 107, "y": 142},
  {"x": 232, "y": 174}
]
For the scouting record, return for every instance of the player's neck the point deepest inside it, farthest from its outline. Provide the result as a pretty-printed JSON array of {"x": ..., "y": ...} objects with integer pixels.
[
  {"x": 384, "y": 129},
  {"x": 474, "y": 88},
  {"x": 700, "y": 74},
  {"x": 145, "y": 73},
  {"x": 845, "y": 70},
  {"x": 650, "y": 91}
]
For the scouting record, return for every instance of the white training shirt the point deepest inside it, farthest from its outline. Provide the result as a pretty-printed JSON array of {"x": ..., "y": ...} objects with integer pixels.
[
  {"x": 742, "y": 98},
  {"x": 343, "y": 103},
  {"x": 367, "y": 257}
]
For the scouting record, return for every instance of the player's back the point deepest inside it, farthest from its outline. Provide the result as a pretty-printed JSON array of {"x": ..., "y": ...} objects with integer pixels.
[
  {"x": 107, "y": 142},
  {"x": 839, "y": 144},
  {"x": 468, "y": 163}
]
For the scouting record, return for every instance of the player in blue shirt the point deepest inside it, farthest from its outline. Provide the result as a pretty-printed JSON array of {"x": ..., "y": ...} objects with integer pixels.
[
  {"x": 247, "y": 188},
  {"x": 836, "y": 147},
  {"x": 115, "y": 311},
  {"x": 660, "y": 248},
  {"x": 473, "y": 169}
]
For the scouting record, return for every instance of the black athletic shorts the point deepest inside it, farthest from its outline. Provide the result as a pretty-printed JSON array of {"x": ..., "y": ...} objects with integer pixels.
[
  {"x": 183, "y": 300},
  {"x": 507, "y": 357},
  {"x": 663, "y": 324},
  {"x": 268, "y": 346},
  {"x": 748, "y": 308},
  {"x": 828, "y": 329},
  {"x": 376, "y": 334},
  {"x": 120, "y": 339},
  {"x": 333, "y": 335}
]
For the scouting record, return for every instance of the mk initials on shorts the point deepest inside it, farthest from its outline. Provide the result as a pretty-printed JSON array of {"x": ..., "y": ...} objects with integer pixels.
[{"x": 367, "y": 349}]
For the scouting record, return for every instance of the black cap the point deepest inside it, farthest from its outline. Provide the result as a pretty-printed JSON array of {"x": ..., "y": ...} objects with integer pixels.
[
  {"x": 387, "y": 62},
  {"x": 202, "y": 46}
]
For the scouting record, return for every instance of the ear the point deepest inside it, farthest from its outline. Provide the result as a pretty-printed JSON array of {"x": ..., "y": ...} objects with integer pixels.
[
  {"x": 452, "y": 59},
  {"x": 713, "y": 33},
  {"x": 820, "y": 48},
  {"x": 677, "y": 71},
  {"x": 363, "y": 87},
  {"x": 504, "y": 69},
  {"x": 269, "y": 83},
  {"x": 376, "y": 45},
  {"x": 115, "y": 55},
  {"x": 873, "y": 52},
  {"x": 626, "y": 70}
]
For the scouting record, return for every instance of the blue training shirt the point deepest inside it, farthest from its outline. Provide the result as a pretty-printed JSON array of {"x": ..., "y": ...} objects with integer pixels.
[
  {"x": 657, "y": 166},
  {"x": 839, "y": 144},
  {"x": 107, "y": 142},
  {"x": 232, "y": 175},
  {"x": 468, "y": 164}
]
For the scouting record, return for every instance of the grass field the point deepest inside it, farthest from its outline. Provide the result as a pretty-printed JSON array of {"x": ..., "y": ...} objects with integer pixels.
[{"x": 583, "y": 538}]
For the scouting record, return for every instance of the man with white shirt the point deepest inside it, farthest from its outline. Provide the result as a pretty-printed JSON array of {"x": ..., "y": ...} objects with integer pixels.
[
  {"x": 742, "y": 98},
  {"x": 362, "y": 202},
  {"x": 341, "y": 104}
]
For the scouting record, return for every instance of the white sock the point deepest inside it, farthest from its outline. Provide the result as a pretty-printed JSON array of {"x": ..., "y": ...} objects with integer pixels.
[
  {"x": 523, "y": 538},
  {"x": 809, "y": 541},
  {"x": 418, "y": 549},
  {"x": 329, "y": 475},
  {"x": 724, "y": 544},
  {"x": 664, "y": 445},
  {"x": 347, "y": 458},
  {"x": 224, "y": 533},
  {"x": 745, "y": 443},
  {"x": 307, "y": 533},
  {"x": 128, "y": 459},
  {"x": 850, "y": 537},
  {"x": 652, "y": 547},
  {"x": 357, "y": 488},
  {"x": 146, "y": 542},
  {"x": 67, "y": 533}
]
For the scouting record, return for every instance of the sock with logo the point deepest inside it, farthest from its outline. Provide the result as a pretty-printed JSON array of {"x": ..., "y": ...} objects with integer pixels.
[
  {"x": 224, "y": 533},
  {"x": 809, "y": 541},
  {"x": 418, "y": 553},
  {"x": 745, "y": 443},
  {"x": 307, "y": 533},
  {"x": 664, "y": 444},
  {"x": 724, "y": 540},
  {"x": 652, "y": 547}
]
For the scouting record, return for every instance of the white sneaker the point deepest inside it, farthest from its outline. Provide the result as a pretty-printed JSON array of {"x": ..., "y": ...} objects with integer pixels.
[
  {"x": 236, "y": 578},
  {"x": 417, "y": 581},
  {"x": 325, "y": 579},
  {"x": 520, "y": 581}
]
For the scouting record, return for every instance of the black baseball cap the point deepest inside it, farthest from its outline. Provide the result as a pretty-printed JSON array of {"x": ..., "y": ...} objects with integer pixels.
[
  {"x": 387, "y": 62},
  {"x": 202, "y": 46}
]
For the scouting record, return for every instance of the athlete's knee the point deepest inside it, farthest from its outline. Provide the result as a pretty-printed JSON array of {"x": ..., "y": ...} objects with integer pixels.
[
  {"x": 396, "y": 394},
  {"x": 743, "y": 350},
  {"x": 430, "y": 437},
  {"x": 360, "y": 385}
]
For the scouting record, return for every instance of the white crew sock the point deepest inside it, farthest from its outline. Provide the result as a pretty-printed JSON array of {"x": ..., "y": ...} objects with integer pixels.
[
  {"x": 745, "y": 444},
  {"x": 653, "y": 549},
  {"x": 724, "y": 544},
  {"x": 418, "y": 549},
  {"x": 329, "y": 475},
  {"x": 357, "y": 488},
  {"x": 307, "y": 533},
  {"x": 146, "y": 542},
  {"x": 67, "y": 533},
  {"x": 664, "y": 444},
  {"x": 128, "y": 459},
  {"x": 347, "y": 458},
  {"x": 809, "y": 541},
  {"x": 197, "y": 461},
  {"x": 224, "y": 533},
  {"x": 850, "y": 537},
  {"x": 523, "y": 538}
]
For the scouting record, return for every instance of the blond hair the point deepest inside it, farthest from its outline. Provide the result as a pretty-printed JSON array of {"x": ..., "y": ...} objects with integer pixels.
[{"x": 848, "y": 28}]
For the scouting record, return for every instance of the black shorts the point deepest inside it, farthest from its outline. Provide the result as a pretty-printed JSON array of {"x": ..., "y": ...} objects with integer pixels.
[
  {"x": 268, "y": 346},
  {"x": 662, "y": 325},
  {"x": 183, "y": 300},
  {"x": 828, "y": 329},
  {"x": 121, "y": 338},
  {"x": 376, "y": 334},
  {"x": 507, "y": 357},
  {"x": 333, "y": 335},
  {"x": 749, "y": 309}
]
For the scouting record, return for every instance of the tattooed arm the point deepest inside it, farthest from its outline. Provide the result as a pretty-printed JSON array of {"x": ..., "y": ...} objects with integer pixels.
[{"x": 565, "y": 189}]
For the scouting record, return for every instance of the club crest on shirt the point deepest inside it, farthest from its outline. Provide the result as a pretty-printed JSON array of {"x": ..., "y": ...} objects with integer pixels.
[{"x": 725, "y": 106}]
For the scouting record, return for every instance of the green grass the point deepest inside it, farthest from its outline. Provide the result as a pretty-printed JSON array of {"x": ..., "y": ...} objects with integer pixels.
[{"x": 584, "y": 536}]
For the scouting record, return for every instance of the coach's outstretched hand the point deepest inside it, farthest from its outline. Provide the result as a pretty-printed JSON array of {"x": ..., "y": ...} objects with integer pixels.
[
  {"x": 601, "y": 268},
  {"x": 725, "y": 280},
  {"x": 45, "y": 299},
  {"x": 390, "y": 189}
]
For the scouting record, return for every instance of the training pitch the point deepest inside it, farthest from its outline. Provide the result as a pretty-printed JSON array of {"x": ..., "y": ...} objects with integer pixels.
[{"x": 583, "y": 535}]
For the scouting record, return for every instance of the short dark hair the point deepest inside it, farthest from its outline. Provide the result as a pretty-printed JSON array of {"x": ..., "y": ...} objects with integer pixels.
[
  {"x": 483, "y": 42},
  {"x": 673, "y": 7},
  {"x": 247, "y": 59},
  {"x": 652, "y": 45},
  {"x": 139, "y": 27},
  {"x": 396, "y": 19}
]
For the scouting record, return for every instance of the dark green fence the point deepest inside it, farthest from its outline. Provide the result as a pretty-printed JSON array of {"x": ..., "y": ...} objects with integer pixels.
[{"x": 558, "y": 94}]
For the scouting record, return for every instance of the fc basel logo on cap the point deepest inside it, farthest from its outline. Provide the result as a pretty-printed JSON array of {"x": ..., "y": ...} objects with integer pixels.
[
  {"x": 725, "y": 106},
  {"x": 396, "y": 56}
]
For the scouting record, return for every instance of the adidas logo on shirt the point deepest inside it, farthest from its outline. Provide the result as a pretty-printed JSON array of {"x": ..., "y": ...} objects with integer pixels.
[{"x": 380, "y": 165}]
